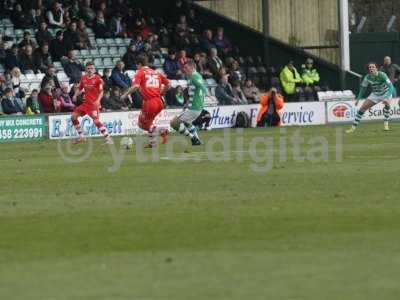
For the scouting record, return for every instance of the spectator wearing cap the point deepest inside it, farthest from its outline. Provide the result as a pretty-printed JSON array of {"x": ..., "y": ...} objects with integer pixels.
[
  {"x": 392, "y": 70},
  {"x": 73, "y": 67},
  {"x": 64, "y": 99},
  {"x": 251, "y": 92},
  {"x": 59, "y": 47},
  {"x": 27, "y": 61},
  {"x": 119, "y": 78},
  {"x": 222, "y": 43},
  {"x": 43, "y": 35},
  {"x": 215, "y": 63},
  {"x": 271, "y": 109},
  {"x": 55, "y": 16},
  {"x": 12, "y": 60},
  {"x": 27, "y": 40},
  {"x": 107, "y": 82},
  {"x": 42, "y": 58},
  {"x": 310, "y": 77},
  {"x": 291, "y": 82},
  {"x": 11, "y": 105},
  {"x": 171, "y": 66}
]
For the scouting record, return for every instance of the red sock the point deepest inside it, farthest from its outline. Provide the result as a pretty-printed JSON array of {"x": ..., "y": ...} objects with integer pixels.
[{"x": 77, "y": 127}]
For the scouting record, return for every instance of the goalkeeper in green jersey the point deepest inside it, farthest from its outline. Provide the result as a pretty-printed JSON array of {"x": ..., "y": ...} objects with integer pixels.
[
  {"x": 382, "y": 91},
  {"x": 183, "y": 123}
]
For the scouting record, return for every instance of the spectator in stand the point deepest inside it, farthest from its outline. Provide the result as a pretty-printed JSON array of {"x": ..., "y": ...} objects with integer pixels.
[
  {"x": 27, "y": 61},
  {"x": 43, "y": 35},
  {"x": 107, "y": 81},
  {"x": 194, "y": 21},
  {"x": 21, "y": 19},
  {"x": 201, "y": 65},
  {"x": 64, "y": 99},
  {"x": 32, "y": 104},
  {"x": 138, "y": 42},
  {"x": 5, "y": 82},
  {"x": 87, "y": 13},
  {"x": 38, "y": 18},
  {"x": 120, "y": 7},
  {"x": 117, "y": 27},
  {"x": 251, "y": 92},
  {"x": 47, "y": 100},
  {"x": 118, "y": 77},
  {"x": 291, "y": 82},
  {"x": 141, "y": 29},
  {"x": 271, "y": 109},
  {"x": 59, "y": 47},
  {"x": 129, "y": 58},
  {"x": 114, "y": 102},
  {"x": 74, "y": 9},
  {"x": 206, "y": 42},
  {"x": 55, "y": 16},
  {"x": 19, "y": 92},
  {"x": 73, "y": 67},
  {"x": 215, "y": 64},
  {"x": 182, "y": 40},
  {"x": 175, "y": 96},
  {"x": 310, "y": 78},
  {"x": 236, "y": 73},
  {"x": 393, "y": 72},
  {"x": 27, "y": 40},
  {"x": 42, "y": 58},
  {"x": 224, "y": 92},
  {"x": 180, "y": 8},
  {"x": 12, "y": 60},
  {"x": 182, "y": 60},
  {"x": 11, "y": 105},
  {"x": 50, "y": 79},
  {"x": 223, "y": 45},
  {"x": 100, "y": 27},
  {"x": 171, "y": 66},
  {"x": 71, "y": 37},
  {"x": 238, "y": 94},
  {"x": 83, "y": 35},
  {"x": 155, "y": 46}
]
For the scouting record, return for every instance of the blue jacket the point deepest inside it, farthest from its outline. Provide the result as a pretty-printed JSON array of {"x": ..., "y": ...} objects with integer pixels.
[
  {"x": 11, "y": 105},
  {"x": 171, "y": 67},
  {"x": 120, "y": 79}
]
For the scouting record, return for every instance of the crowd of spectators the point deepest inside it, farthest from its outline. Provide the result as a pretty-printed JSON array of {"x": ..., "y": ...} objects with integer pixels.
[{"x": 240, "y": 80}]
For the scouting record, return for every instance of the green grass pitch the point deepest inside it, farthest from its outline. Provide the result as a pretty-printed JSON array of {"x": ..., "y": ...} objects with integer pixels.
[{"x": 194, "y": 230}]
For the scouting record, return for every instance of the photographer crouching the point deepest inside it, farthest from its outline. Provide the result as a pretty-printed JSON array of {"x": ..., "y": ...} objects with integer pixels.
[{"x": 271, "y": 109}]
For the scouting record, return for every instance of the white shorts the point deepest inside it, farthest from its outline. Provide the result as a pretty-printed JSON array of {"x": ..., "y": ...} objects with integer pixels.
[
  {"x": 378, "y": 99},
  {"x": 188, "y": 116}
]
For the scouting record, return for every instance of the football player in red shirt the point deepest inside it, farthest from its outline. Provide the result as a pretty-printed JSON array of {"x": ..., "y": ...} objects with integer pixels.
[
  {"x": 92, "y": 85},
  {"x": 152, "y": 85}
]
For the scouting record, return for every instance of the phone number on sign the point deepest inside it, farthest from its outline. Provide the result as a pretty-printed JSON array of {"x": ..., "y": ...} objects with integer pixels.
[{"x": 26, "y": 133}]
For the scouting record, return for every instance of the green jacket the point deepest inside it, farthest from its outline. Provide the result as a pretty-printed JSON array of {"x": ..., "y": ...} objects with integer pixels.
[
  {"x": 289, "y": 81},
  {"x": 309, "y": 77}
]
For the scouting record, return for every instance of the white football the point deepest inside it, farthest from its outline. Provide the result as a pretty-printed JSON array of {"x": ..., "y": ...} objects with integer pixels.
[{"x": 127, "y": 142}]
